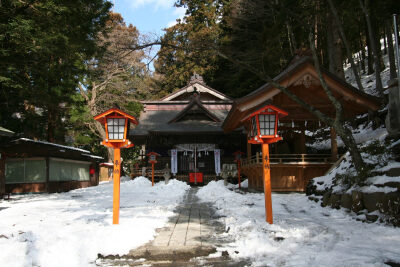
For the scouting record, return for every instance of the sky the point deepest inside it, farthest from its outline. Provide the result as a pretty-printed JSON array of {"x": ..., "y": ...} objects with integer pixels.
[{"x": 149, "y": 16}]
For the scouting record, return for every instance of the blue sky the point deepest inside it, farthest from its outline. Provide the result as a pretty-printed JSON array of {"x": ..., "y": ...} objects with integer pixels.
[{"x": 149, "y": 16}]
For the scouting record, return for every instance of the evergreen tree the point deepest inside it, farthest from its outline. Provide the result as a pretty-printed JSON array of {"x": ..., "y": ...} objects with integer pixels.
[{"x": 44, "y": 45}]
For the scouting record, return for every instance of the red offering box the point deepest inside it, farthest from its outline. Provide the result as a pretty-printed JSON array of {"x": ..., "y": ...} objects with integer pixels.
[{"x": 199, "y": 176}]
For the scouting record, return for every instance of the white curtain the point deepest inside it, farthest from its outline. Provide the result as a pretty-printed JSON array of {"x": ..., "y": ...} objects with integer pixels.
[
  {"x": 217, "y": 158},
  {"x": 174, "y": 161}
]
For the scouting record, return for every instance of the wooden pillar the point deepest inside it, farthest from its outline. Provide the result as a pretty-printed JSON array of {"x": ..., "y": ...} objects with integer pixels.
[
  {"x": 248, "y": 152},
  {"x": 116, "y": 196},
  {"x": 267, "y": 183},
  {"x": 152, "y": 174},
  {"x": 2, "y": 175},
  {"x": 334, "y": 148},
  {"x": 303, "y": 142},
  {"x": 47, "y": 174}
]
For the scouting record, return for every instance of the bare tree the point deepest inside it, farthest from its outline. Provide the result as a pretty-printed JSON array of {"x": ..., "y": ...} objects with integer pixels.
[{"x": 117, "y": 77}]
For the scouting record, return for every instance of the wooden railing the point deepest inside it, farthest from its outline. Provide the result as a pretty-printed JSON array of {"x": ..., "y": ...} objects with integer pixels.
[{"x": 290, "y": 159}]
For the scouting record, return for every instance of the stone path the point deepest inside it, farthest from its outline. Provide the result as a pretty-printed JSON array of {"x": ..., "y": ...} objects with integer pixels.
[{"x": 186, "y": 240}]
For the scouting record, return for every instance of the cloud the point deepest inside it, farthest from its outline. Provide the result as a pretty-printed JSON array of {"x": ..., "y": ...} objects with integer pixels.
[{"x": 179, "y": 13}]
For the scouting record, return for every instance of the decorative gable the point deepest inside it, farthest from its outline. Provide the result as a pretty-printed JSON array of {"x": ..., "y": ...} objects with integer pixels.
[
  {"x": 195, "y": 111},
  {"x": 196, "y": 85}
]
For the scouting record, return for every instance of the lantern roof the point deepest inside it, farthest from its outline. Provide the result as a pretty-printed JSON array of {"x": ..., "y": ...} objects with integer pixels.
[
  {"x": 114, "y": 112},
  {"x": 153, "y": 153},
  {"x": 238, "y": 152},
  {"x": 267, "y": 109}
]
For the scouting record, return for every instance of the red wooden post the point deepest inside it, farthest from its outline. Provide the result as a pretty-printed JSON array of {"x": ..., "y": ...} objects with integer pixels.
[
  {"x": 238, "y": 163},
  {"x": 116, "y": 182},
  {"x": 267, "y": 182},
  {"x": 116, "y": 137},
  {"x": 265, "y": 134},
  {"x": 152, "y": 159},
  {"x": 152, "y": 174}
]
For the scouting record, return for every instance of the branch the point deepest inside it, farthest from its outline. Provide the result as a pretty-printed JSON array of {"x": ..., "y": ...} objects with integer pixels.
[
  {"x": 335, "y": 102},
  {"x": 83, "y": 93}
]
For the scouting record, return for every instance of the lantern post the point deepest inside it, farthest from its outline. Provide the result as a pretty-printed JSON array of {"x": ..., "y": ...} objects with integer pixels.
[
  {"x": 152, "y": 159},
  {"x": 264, "y": 131},
  {"x": 238, "y": 159},
  {"x": 116, "y": 123}
]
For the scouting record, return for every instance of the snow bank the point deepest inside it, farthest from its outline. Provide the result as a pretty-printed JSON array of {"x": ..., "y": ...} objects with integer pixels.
[
  {"x": 303, "y": 233},
  {"x": 70, "y": 229}
]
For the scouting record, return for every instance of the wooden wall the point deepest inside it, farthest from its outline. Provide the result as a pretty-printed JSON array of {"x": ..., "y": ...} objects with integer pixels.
[
  {"x": 284, "y": 177},
  {"x": 2, "y": 176},
  {"x": 52, "y": 187}
]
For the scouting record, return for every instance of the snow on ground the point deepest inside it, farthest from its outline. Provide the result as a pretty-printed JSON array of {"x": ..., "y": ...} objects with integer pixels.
[
  {"x": 70, "y": 229},
  {"x": 303, "y": 233}
]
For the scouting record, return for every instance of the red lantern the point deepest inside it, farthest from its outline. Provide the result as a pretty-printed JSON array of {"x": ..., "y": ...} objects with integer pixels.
[
  {"x": 264, "y": 125},
  {"x": 116, "y": 123},
  {"x": 264, "y": 130},
  {"x": 152, "y": 159}
]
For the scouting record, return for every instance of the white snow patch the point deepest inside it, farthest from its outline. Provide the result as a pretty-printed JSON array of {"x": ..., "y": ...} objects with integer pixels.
[
  {"x": 375, "y": 189},
  {"x": 382, "y": 179},
  {"x": 303, "y": 233},
  {"x": 70, "y": 229}
]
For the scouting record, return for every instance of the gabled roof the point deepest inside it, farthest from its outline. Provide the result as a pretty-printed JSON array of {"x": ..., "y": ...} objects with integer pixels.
[
  {"x": 190, "y": 107},
  {"x": 302, "y": 79},
  {"x": 199, "y": 87}
]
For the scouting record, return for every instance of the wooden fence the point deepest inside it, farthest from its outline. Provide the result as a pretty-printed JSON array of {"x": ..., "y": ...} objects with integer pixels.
[{"x": 289, "y": 172}]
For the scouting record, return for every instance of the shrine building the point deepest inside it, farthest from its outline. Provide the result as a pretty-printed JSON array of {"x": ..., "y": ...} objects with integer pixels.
[{"x": 187, "y": 123}]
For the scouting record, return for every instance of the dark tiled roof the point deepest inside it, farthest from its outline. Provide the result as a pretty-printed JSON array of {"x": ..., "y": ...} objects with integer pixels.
[{"x": 158, "y": 121}]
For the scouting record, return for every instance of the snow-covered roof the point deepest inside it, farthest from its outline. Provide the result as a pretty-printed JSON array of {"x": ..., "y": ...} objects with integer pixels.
[
  {"x": 52, "y": 144},
  {"x": 25, "y": 147}
]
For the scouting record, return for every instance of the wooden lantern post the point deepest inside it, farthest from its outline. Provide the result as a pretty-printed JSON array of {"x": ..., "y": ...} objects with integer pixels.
[
  {"x": 264, "y": 131},
  {"x": 116, "y": 123},
  {"x": 152, "y": 159},
  {"x": 238, "y": 159}
]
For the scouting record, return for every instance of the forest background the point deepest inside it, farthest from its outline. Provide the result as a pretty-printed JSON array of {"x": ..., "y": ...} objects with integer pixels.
[{"x": 62, "y": 62}]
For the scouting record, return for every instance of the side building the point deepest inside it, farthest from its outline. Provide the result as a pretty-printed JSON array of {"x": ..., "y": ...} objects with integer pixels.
[{"x": 35, "y": 166}]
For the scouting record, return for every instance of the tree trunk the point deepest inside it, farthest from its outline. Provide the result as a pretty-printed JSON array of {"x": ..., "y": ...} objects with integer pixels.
[
  {"x": 392, "y": 62},
  {"x": 362, "y": 49},
  {"x": 291, "y": 38},
  {"x": 393, "y": 116},
  {"x": 346, "y": 45},
  {"x": 370, "y": 62},
  {"x": 385, "y": 48},
  {"x": 349, "y": 142},
  {"x": 335, "y": 54},
  {"x": 379, "y": 86},
  {"x": 51, "y": 125}
]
